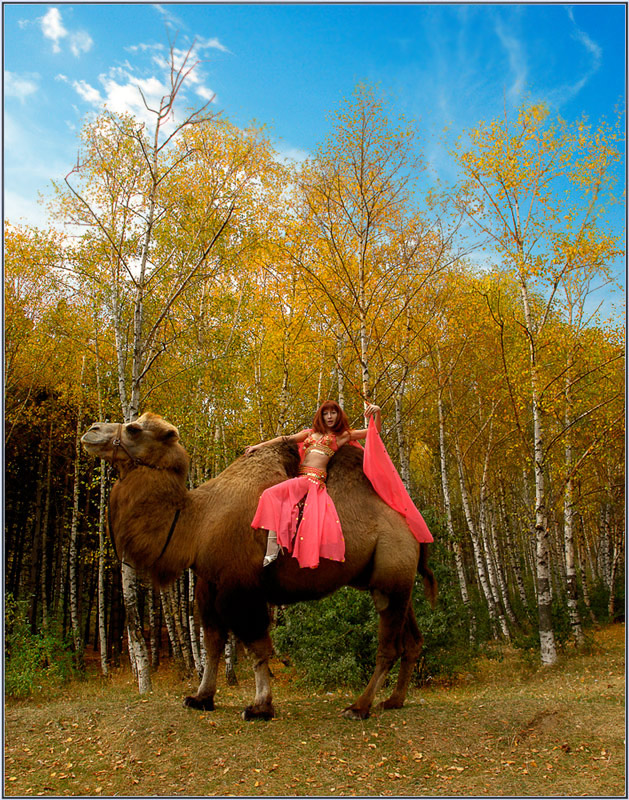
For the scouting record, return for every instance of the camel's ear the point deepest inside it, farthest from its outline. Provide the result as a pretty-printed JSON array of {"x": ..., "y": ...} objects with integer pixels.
[{"x": 171, "y": 434}]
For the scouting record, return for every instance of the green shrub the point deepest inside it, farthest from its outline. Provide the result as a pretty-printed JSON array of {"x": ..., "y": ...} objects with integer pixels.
[
  {"x": 333, "y": 642},
  {"x": 32, "y": 661}
]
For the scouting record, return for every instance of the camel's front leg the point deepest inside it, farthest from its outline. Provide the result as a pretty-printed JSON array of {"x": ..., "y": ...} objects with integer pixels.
[
  {"x": 262, "y": 707},
  {"x": 214, "y": 647},
  {"x": 214, "y": 636}
]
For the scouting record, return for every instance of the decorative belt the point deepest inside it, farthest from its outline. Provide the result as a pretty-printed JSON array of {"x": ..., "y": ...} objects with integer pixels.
[{"x": 314, "y": 474}]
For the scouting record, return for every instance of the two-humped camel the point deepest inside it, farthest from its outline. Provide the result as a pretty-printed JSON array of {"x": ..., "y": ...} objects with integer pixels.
[{"x": 160, "y": 526}]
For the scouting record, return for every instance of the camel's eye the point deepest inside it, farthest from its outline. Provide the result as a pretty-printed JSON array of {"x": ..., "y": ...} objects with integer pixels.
[{"x": 134, "y": 429}]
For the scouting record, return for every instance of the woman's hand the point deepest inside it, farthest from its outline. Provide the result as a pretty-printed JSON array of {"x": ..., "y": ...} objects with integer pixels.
[
  {"x": 252, "y": 448},
  {"x": 372, "y": 409}
]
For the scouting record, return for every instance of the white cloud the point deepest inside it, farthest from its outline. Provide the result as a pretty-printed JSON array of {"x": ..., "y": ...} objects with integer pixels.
[
  {"x": 20, "y": 86},
  {"x": 212, "y": 44},
  {"x": 52, "y": 28},
  {"x": 88, "y": 93},
  {"x": 126, "y": 98},
  {"x": 206, "y": 94},
  {"x": 80, "y": 42}
]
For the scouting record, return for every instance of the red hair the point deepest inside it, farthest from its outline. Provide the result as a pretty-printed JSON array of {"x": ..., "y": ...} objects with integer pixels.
[{"x": 341, "y": 425}]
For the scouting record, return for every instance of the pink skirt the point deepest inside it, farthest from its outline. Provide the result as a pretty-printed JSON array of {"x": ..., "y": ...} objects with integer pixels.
[{"x": 317, "y": 535}]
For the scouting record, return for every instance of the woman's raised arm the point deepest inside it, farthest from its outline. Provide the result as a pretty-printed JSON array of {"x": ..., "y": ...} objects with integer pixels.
[
  {"x": 370, "y": 411},
  {"x": 293, "y": 437}
]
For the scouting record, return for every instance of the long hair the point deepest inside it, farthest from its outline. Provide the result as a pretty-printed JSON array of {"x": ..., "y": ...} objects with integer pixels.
[{"x": 341, "y": 425}]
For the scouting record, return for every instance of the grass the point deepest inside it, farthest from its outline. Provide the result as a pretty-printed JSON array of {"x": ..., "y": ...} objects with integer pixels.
[{"x": 507, "y": 728}]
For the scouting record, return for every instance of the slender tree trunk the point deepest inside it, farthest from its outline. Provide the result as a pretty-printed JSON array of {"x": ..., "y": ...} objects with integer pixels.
[
  {"x": 340, "y": 380},
  {"x": 74, "y": 529},
  {"x": 512, "y": 549},
  {"x": 500, "y": 575},
  {"x": 495, "y": 615},
  {"x": 482, "y": 523},
  {"x": 138, "y": 653},
  {"x": 194, "y": 639},
  {"x": 44, "y": 530},
  {"x": 171, "y": 626},
  {"x": 230, "y": 660},
  {"x": 34, "y": 584},
  {"x": 445, "y": 487},
  {"x": 405, "y": 469},
  {"x": 155, "y": 629},
  {"x": 548, "y": 649},
  {"x": 102, "y": 631}
]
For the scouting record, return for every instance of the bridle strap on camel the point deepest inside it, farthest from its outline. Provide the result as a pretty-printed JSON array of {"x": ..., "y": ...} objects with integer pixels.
[{"x": 118, "y": 443}]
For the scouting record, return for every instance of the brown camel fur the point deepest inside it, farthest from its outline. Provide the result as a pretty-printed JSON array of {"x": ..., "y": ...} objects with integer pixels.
[{"x": 214, "y": 537}]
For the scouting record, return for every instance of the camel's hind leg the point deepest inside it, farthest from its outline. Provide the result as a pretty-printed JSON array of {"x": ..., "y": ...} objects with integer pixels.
[
  {"x": 412, "y": 641},
  {"x": 392, "y": 610},
  {"x": 214, "y": 637}
]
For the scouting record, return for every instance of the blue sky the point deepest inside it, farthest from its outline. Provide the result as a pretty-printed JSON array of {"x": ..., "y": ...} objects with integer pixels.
[{"x": 290, "y": 66}]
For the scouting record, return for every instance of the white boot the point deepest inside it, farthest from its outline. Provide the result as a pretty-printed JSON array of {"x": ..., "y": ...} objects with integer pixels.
[{"x": 272, "y": 549}]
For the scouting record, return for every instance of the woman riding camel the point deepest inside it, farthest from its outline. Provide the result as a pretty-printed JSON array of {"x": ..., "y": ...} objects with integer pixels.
[{"x": 300, "y": 515}]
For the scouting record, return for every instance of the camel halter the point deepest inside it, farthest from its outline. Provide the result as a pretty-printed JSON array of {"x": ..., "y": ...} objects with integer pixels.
[{"x": 118, "y": 443}]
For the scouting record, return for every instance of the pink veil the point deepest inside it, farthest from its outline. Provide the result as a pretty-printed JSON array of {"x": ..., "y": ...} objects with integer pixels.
[{"x": 384, "y": 478}]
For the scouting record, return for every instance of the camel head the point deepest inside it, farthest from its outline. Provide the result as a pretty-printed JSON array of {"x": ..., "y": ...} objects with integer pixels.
[{"x": 147, "y": 441}]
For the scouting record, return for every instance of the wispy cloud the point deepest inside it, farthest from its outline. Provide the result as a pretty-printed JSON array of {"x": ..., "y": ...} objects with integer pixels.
[
  {"x": 595, "y": 53},
  {"x": 20, "y": 86},
  {"x": 53, "y": 29},
  {"x": 170, "y": 19},
  {"x": 517, "y": 61}
]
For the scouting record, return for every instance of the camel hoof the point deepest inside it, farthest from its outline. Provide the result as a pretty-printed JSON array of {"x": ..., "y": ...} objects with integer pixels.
[
  {"x": 258, "y": 712},
  {"x": 391, "y": 702},
  {"x": 206, "y": 704},
  {"x": 351, "y": 712}
]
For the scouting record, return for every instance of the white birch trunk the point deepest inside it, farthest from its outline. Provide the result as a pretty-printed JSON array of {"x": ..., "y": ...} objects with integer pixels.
[
  {"x": 405, "y": 470},
  {"x": 478, "y": 556},
  {"x": 500, "y": 576},
  {"x": 491, "y": 572},
  {"x": 445, "y": 487},
  {"x": 340, "y": 380},
  {"x": 138, "y": 652},
  {"x": 170, "y": 625},
  {"x": 230, "y": 660},
  {"x": 548, "y": 649},
  {"x": 194, "y": 639}
]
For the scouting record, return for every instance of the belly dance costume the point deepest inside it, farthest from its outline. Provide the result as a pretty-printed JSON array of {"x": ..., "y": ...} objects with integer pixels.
[{"x": 315, "y": 532}]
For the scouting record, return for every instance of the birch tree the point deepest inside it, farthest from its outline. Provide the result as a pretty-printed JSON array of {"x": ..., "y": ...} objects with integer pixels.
[
  {"x": 517, "y": 174},
  {"x": 120, "y": 191}
]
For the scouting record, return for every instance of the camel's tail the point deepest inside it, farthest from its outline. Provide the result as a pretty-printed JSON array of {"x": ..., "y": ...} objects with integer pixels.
[{"x": 430, "y": 582}]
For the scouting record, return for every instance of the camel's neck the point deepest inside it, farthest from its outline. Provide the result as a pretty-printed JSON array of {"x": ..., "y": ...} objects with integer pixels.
[{"x": 146, "y": 513}]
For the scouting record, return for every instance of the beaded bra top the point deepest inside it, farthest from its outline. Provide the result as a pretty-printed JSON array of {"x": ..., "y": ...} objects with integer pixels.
[{"x": 326, "y": 445}]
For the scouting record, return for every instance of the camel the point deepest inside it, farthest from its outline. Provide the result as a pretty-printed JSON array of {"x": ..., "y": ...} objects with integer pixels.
[{"x": 160, "y": 526}]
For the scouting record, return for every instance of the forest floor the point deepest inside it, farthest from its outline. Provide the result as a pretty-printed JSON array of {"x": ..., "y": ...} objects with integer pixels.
[{"x": 508, "y": 727}]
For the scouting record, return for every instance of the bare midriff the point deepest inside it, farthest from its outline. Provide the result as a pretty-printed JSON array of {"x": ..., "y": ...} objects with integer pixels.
[{"x": 319, "y": 452}]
